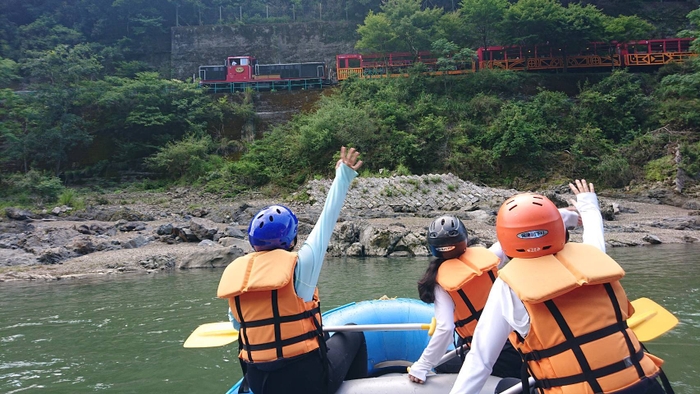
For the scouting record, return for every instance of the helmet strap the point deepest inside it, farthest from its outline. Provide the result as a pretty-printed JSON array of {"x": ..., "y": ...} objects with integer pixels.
[{"x": 294, "y": 243}]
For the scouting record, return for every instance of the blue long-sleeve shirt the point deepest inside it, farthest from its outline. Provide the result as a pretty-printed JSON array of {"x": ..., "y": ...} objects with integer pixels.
[
  {"x": 313, "y": 250},
  {"x": 311, "y": 253}
]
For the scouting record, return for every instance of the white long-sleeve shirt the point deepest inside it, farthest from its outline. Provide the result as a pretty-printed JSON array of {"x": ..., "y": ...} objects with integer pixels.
[
  {"x": 504, "y": 312},
  {"x": 444, "y": 328}
]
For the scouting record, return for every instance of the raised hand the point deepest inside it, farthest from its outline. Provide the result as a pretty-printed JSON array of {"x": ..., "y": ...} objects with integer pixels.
[
  {"x": 581, "y": 186},
  {"x": 349, "y": 158}
]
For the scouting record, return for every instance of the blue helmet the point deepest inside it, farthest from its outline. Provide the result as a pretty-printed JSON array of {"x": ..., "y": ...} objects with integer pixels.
[{"x": 274, "y": 227}]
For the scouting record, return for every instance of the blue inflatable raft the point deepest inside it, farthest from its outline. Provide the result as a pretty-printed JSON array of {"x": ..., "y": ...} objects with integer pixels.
[{"x": 390, "y": 352}]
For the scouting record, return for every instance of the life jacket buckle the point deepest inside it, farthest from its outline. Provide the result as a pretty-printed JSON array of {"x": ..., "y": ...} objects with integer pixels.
[{"x": 534, "y": 355}]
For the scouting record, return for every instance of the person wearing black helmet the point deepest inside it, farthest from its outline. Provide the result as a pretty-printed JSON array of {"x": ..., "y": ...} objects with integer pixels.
[
  {"x": 274, "y": 302},
  {"x": 458, "y": 280}
]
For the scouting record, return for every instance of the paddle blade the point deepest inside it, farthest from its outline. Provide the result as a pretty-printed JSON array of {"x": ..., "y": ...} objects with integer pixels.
[
  {"x": 212, "y": 335},
  {"x": 650, "y": 319}
]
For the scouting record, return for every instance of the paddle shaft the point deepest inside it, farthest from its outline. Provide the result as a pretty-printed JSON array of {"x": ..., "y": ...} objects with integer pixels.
[
  {"x": 378, "y": 327},
  {"x": 451, "y": 354}
]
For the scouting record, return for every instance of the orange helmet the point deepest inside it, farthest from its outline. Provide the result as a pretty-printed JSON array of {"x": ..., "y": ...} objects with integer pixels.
[{"x": 529, "y": 225}]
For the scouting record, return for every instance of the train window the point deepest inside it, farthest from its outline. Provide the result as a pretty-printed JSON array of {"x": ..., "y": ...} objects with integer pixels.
[
  {"x": 672, "y": 46},
  {"x": 685, "y": 46},
  {"x": 639, "y": 48},
  {"x": 354, "y": 63},
  {"x": 540, "y": 51},
  {"x": 243, "y": 61},
  {"x": 513, "y": 53},
  {"x": 497, "y": 55}
]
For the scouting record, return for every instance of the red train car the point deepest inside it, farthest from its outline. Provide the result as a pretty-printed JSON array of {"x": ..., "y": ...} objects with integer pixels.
[
  {"x": 547, "y": 57},
  {"x": 655, "y": 52},
  {"x": 390, "y": 65},
  {"x": 595, "y": 56}
]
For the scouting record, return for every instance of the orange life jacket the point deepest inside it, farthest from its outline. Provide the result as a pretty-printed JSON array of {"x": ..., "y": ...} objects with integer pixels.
[
  {"x": 578, "y": 341},
  {"x": 275, "y": 322},
  {"x": 468, "y": 280}
]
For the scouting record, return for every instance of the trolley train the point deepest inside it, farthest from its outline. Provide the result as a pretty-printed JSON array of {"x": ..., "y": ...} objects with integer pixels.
[{"x": 244, "y": 72}]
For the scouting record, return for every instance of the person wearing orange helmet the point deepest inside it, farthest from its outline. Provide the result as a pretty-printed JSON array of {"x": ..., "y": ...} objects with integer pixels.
[
  {"x": 458, "y": 280},
  {"x": 562, "y": 306},
  {"x": 273, "y": 301}
]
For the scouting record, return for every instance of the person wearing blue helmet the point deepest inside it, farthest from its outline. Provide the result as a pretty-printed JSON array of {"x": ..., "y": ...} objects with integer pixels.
[{"x": 274, "y": 301}]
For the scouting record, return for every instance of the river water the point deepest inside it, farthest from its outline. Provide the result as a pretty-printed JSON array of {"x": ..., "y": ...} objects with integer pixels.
[{"x": 124, "y": 334}]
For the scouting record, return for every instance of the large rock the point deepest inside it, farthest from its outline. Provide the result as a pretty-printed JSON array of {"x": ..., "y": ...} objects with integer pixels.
[
  {"x": 211, "y": 257},
  {"x": 17, "y": 213},
  {"x": 393, "y": 238},
  {"x": 203, "y": 228},
  {"x": 15, "y": 257}
]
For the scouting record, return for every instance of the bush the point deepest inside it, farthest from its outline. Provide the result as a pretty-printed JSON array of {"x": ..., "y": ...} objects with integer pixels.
[
  {"x": 614, "y": 171},
  {"x": 185, "y": 159},
  {"x": 70, "y": 198},
  {"x": 659, "y": 169},
  {"x": 32, "y": 187}
]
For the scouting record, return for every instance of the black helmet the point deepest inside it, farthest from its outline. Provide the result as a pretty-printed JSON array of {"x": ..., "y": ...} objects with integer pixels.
[{"x": 447, "y": 237}]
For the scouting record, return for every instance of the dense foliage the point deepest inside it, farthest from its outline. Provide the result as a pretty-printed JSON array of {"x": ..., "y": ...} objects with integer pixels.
[
  {"x": 483, "y": 129},
  {"x": 76, "y": 101}
]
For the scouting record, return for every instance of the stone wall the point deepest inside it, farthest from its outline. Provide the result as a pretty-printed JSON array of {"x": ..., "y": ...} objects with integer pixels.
[{"x": 193, "y": 46}]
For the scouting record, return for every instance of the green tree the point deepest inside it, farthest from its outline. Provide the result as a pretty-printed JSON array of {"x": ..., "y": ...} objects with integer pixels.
[
  {"x": 451, "y": 27},
  {"x": 64, "y": 65},
  {"x": 9, "y": 72},
  {"x": 570, "y": 29},
  {"x": 401, "y": 26},
  {"x": 483, "y": 18},
  {"x": 694, "y": 30},
  {"x": 679, "y": 98},
  {"x": 582, "y": 25},
  {"x": 618, "y": 105},
  {"x": 45, "y": 33},
  {"x": 376, "y": 34},
  {"x": 139, "y": 115},
  {"x": 185, "y": 159},
  {"x": 627, "y": 28},
  {"x": 532, "y": 22},
  {"x": 451, "y": 57},
  {"x": 19, "y": 122}
]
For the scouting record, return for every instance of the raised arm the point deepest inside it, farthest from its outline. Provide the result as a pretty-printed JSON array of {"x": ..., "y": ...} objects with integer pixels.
[
  {"x": 313, "y": 250},
  {"x": 586, "y": 204}
]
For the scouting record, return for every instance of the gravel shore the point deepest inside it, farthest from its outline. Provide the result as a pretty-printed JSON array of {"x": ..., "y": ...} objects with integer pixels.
[{"x": 123, "y": 232}]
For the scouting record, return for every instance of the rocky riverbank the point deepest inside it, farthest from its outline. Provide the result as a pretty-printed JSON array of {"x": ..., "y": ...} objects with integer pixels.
[{"x": 182, "y": 228}]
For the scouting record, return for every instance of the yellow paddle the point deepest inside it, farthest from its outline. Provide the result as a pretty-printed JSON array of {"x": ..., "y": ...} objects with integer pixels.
[
  {"x": 212, "y": 335},
  {"x": 650, "y": 319},
  {"x": 223, "y": 333}
]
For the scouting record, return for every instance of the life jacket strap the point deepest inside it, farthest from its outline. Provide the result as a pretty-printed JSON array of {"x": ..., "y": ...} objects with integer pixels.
[
  {"x": 537, "y": 355},
  {"x": 584, "y": 377},
  {"x": 281, "y": 319},
  {"x": 281, "y": 343}
]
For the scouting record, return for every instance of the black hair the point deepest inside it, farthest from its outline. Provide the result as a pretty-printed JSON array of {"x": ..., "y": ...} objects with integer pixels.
[{"x": 426, "y": 285}]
